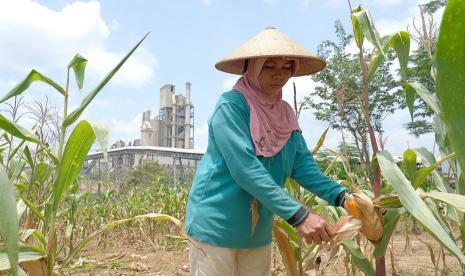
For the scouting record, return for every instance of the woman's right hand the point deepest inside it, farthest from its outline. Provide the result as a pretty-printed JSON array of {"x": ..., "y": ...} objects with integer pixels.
[{"x": 315, "y": 229}]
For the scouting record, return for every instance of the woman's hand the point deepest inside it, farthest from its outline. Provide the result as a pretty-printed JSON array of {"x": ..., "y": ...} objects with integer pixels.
[{"x": 315, "y": 229}]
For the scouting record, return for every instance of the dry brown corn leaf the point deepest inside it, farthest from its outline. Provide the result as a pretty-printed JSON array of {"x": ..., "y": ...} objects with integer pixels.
[
  {"x": 285, "y": 249},
  {"x": 35, "y": 267},
  {"x": 255, "y": 215}
]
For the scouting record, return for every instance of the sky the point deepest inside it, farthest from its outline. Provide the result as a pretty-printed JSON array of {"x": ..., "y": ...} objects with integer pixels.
[{"x": 186, "y": 39}]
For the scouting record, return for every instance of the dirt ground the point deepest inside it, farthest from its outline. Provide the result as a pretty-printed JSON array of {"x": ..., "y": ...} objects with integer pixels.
[{"x": 145, "y": 258}]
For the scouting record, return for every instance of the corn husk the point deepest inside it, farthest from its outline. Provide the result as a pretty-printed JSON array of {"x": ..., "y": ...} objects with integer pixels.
[
  {"x": 346, "y": 227},
  {"x": 255, "y": 215},
  {"x": 372, "y": 223}
]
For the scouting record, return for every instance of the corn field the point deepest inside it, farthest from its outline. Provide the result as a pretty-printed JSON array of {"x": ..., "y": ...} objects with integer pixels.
[{"x": 47, "y": 219}]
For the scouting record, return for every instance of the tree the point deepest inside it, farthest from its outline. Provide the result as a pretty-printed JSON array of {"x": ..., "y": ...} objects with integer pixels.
[
  {"x": 338, "y": 93},
  {"x": 146, "y": 174}
]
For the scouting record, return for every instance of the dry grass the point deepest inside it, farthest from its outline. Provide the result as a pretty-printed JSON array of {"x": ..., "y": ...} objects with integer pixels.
[{"x": 136, "y": 257}]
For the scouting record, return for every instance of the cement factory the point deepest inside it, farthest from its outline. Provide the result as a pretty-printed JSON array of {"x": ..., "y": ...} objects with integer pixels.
[
  {"x": 167, "y": 138},
  {"x": 174, "y": 125}
]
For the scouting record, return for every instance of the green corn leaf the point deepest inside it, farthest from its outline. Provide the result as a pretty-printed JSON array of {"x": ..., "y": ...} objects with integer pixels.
[
  {"x": 400, "y": 41},
  {"x": 9, "y": 223},
  {"x": 17, "y": 130},
  {"x": 52, "y": 156},
  {"x": 15, "y": 150},
  {"x": 410, "y": 162},
  {"x": 33, "y": 208},
  {"x": 40, "y": 237},
  {"x": 101, "y": 132},
  {"x": 73, "y": 116},
  {"x": 16, "y": 168},
  {"x": 76, "y": 149},
  {"x": 26, "y": 253},
  {"x": 78, "y": 64},
  {"x": 358, "y": 33},
  {"x": 360, "y": 261},
  {"x": 433, "y": 206},
  {"x": 42, "y": 172},
  {"x": 453, "y": 214},
  {"x": 423, "y": 173},
  {"x": 365, "y": 24},
  {"x": 26, "y": 233},
  {"x": 388, "y": 201},
  {"x": 426, "y": 96},
  {"x": 286, "y": 228},
  {"x": 31, "y": 77},
  {"x": 414, "y": 205},
  {"x": 461, "y": 184},
  {"x": 455, "y": 200},
  {"x": 6, "y": 137},
  {"x": 439, "y": 134},
  {"x": 28, "y": 156},
  {"x": 409, "y": 98},
  {"x": 428, "y": 159},
  {"x": 450, "y": 66},
  {"x": 390, "y": 221},
  {"x": 292, "y": 187},
  {"x": 376, "y": 58}
]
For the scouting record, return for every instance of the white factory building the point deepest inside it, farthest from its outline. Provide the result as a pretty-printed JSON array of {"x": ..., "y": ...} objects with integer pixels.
[{"x": 173, "y": 127}]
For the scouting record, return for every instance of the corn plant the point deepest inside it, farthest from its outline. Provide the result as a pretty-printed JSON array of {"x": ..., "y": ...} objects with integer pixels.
[
  {"x": 411, "y": 194},
  {"x": 42, "y": 179},
  {"x": 154, "y": 195},
  {"x": 410, "y": 197},
  {"x": 299, "y": 257}
]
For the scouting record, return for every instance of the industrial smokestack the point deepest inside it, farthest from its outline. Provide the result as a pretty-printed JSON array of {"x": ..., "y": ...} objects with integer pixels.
[
  {"x": 187, "y": 120},
  {"x": 188, "y": 92}
]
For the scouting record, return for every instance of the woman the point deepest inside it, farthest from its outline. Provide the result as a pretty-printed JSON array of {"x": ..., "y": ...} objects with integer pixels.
[{"x": 254, "y": 144}]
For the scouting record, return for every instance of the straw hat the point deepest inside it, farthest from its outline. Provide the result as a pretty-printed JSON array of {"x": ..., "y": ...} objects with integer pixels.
[{"x": 271, "y": 43}]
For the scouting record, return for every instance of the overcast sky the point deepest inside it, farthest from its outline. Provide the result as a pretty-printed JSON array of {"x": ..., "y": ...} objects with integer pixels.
[{"x": 186, "y": 39}]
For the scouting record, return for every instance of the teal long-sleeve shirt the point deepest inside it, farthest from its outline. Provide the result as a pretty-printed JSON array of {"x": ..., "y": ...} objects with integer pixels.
[{"x": 230, "y": 176}]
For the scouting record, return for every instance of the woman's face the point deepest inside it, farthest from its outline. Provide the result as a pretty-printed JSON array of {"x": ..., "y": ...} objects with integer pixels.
[{"x": 274, "y": 75}]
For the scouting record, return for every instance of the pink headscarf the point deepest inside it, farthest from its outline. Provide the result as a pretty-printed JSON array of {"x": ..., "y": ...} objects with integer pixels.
[{"x": 272, "y": 120}]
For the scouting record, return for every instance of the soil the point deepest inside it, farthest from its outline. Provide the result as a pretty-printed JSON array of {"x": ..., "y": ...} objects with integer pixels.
[{"x": 146, "y": 258}]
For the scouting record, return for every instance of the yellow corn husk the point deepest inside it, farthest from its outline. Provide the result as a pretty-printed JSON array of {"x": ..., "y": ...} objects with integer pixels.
[
  {"x": 372, "y": 223},
  {"x": 346, "y": 227},
  {"x": 255, "y": 215}
]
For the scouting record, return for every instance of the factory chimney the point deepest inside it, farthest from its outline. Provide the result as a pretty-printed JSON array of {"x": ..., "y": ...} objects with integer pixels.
[{"x": 188, "y": 126}]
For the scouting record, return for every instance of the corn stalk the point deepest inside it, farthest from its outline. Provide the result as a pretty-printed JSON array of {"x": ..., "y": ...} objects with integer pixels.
[{"x": 66, "y": 164}]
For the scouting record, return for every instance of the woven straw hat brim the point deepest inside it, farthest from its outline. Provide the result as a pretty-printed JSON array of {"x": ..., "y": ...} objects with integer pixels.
[{"x": 271, "y": 43}]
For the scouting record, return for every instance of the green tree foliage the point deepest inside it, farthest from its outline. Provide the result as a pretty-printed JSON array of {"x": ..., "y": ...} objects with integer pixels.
[
  {"x": 338, "y": 93},
  {"x": 432, "y": 6},
  {"x": 148, "y": 173}
]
